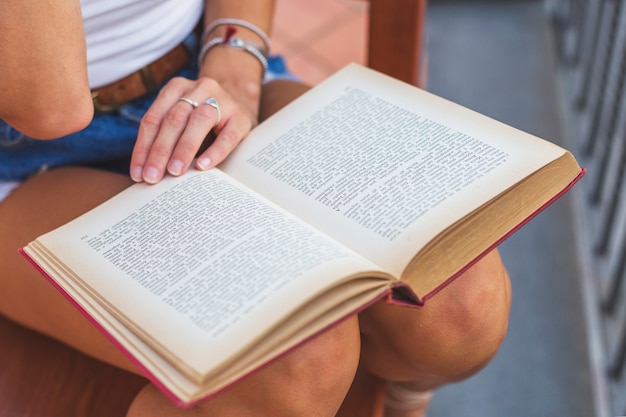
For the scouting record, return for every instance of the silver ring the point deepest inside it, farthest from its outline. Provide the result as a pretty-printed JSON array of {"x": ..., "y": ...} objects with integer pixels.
[
  {"x": 194, "y": 104},
  {"x": 212, "y": 101}
]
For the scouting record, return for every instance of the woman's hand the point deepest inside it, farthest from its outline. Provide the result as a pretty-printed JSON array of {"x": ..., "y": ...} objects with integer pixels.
[{"x": 173, "y": 130}]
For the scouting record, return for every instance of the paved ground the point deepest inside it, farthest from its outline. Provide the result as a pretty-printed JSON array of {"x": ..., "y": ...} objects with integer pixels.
[{"x": 499, "y": 58}]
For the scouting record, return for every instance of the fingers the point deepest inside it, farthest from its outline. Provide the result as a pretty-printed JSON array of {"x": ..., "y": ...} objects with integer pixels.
[
  {"x": 177, "y": 123},
  {"x": 229, "y": 136},
  {"x": 201, "y": 119}
]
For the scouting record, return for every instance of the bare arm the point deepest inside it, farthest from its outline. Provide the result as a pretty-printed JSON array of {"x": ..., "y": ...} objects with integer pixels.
[{"x": 43, "y": 70}]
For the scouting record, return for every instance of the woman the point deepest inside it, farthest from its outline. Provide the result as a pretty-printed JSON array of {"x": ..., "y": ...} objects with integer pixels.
[{"x": 78, "y": 82}]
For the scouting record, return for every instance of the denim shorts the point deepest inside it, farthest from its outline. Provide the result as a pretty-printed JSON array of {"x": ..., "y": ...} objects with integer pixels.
[{"x": 107, "y": 142}]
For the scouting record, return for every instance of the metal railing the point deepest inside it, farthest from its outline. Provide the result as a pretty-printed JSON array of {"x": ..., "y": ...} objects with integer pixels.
[{"x": 591, "y": 35}]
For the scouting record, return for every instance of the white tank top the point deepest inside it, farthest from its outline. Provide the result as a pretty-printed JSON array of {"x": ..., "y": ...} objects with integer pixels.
[{"x": 125, "y": 35}]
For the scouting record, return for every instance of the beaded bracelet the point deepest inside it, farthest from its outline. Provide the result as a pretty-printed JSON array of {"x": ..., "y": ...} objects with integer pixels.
[
  {"x": 237, "y": 22},
  {"x": 250, "y": 47}
]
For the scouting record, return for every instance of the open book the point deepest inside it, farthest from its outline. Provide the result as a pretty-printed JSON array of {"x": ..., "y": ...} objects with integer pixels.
[{"x": 363, "y": 189}]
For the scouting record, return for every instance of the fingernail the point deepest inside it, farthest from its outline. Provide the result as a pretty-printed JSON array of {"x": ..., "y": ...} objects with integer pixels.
[
  {"x": 151, "y": 175},
  {"x": 203, "y": 163},
  {"x": 175, "y": 167},
  {"x": 136, "y": 174}
]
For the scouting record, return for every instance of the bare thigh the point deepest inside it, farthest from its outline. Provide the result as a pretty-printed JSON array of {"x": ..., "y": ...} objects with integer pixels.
[{"x": 37, "y": 206}]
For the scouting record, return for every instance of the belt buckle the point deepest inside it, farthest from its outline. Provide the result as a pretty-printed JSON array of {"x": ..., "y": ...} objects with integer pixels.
[{"x": 99, "y": 107}]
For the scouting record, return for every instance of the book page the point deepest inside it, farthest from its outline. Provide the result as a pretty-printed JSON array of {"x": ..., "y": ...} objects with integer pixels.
[
  {"x": 199, "y": 259},
  {"x": 382, "y": 166},
  {"x": 288, "y": 332}
]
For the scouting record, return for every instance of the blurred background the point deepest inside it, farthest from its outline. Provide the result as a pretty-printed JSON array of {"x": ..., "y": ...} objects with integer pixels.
[{"x": 554, "y": 68}]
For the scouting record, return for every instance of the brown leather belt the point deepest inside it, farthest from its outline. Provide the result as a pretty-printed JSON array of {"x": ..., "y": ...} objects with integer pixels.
[{"x": 139, "y": 83}]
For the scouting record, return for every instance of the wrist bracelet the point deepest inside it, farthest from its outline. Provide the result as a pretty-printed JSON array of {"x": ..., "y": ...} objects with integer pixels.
[
  {"x": 250, "y": 47},
  {"x": 237, "y": 22}
]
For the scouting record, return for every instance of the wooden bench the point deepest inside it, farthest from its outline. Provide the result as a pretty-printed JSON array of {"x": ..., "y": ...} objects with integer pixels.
[
  {"x": 40, "y": 377},
  {"x": 592, "y": 39}
]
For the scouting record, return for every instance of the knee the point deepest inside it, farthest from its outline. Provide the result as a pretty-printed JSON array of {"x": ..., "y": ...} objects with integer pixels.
[
  {"x": 470, "y": 339},
  {"x": 312, "y": 380},
  {"x": 454, "y": 335},
  {"x": 467, "y": 321},
  {"x": 320, "y": 372}
]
